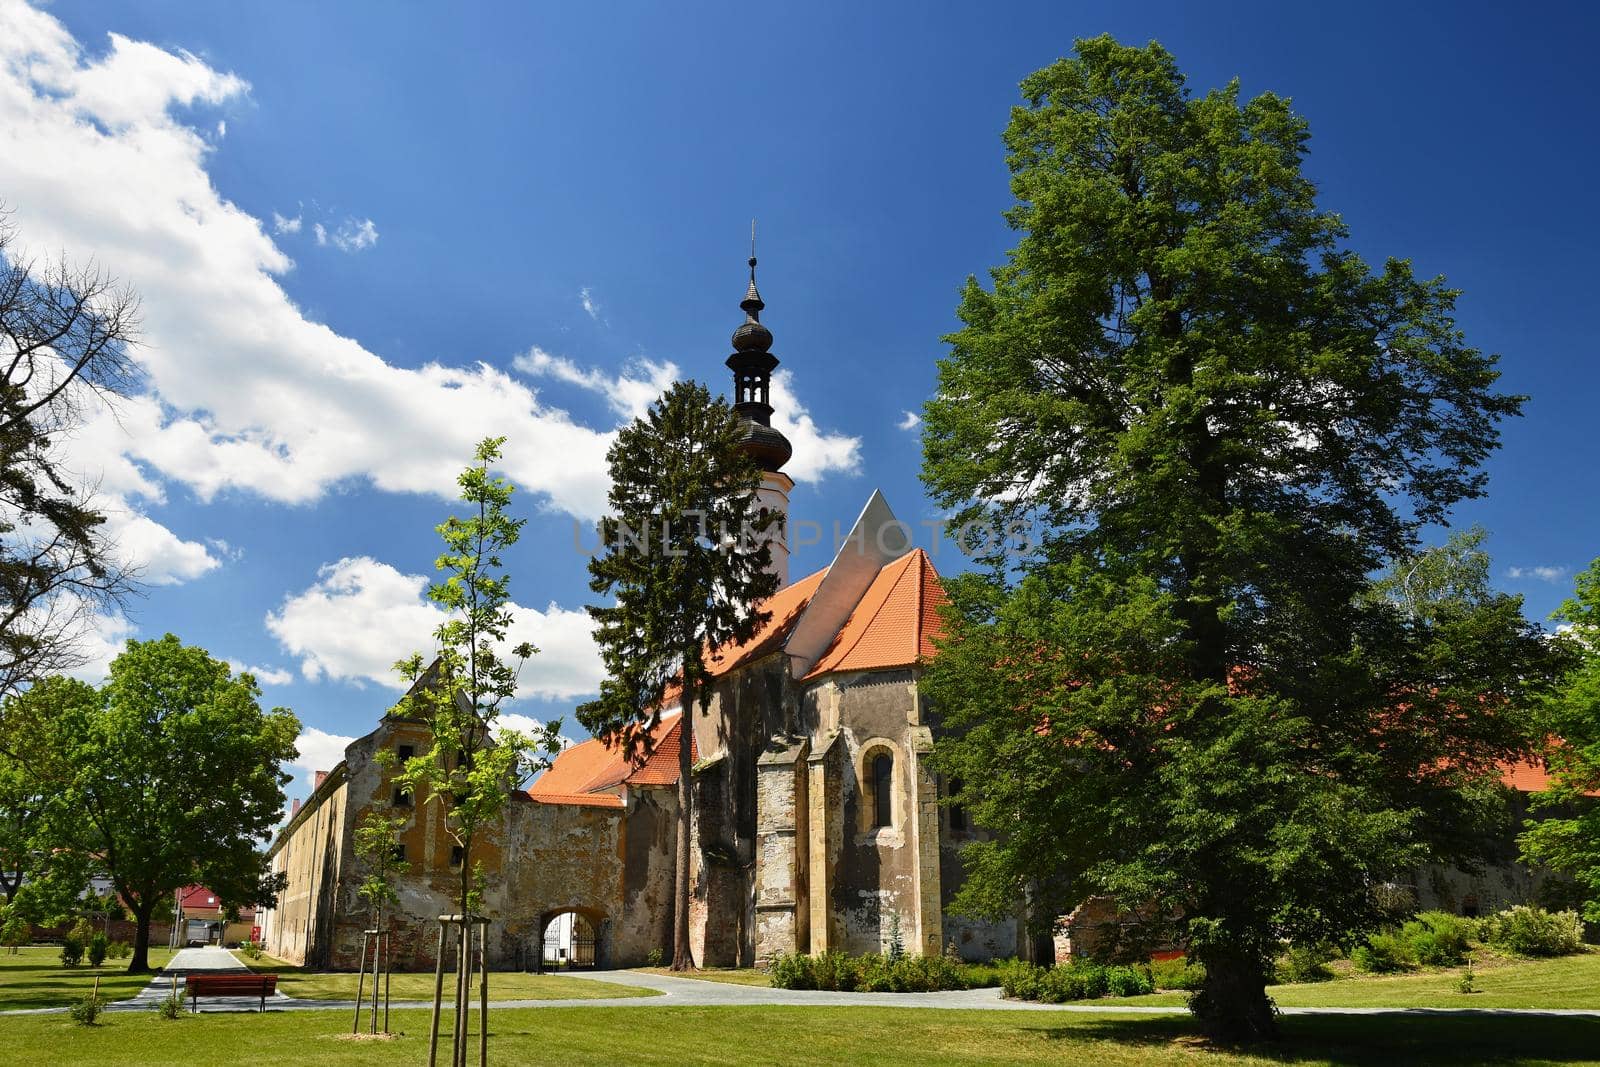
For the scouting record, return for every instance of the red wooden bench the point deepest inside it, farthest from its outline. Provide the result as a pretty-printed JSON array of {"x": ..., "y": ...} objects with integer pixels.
[{"x": 230, "y": 985}]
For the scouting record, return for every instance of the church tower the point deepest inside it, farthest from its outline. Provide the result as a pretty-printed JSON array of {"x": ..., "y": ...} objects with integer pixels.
[{"x": 752, "y": 365}]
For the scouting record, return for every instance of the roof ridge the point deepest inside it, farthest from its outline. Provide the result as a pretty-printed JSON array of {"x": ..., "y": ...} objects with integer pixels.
[{"x": 835, "y": 652}]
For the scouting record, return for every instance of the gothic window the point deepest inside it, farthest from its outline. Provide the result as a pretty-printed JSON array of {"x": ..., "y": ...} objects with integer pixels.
[
  {"x": 958, "y": 814},
  {"x": 455, "y": 855},
  {"x": 882, "y": 789},
  {"x": 406, "y": 752},
  {"x": 402, "y": 797}
]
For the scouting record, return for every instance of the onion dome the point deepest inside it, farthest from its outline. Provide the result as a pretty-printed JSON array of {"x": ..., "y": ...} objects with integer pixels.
[{"x": 752, "y": 365}]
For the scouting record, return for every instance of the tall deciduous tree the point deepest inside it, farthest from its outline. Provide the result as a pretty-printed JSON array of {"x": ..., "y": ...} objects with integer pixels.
[
  {"x": 175, "y": 774},
  {"x": 1219, "y": 421},
  {"x": 1567, "y": 837},
  {"x": 64, "y": 339},
  {"x": 40, "y": 881},
  {"x": 685, "y": 553}
]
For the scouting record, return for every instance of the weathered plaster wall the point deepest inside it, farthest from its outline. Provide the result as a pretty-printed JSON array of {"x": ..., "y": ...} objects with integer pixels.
[{"x": 299, "y": 929}]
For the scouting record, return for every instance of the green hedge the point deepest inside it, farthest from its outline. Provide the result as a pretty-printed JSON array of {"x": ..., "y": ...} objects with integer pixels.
[
  {"x": 870, "y": 973},
  {"x": 1528, "y": 931},
  {"x": 1079, "y": 980}
]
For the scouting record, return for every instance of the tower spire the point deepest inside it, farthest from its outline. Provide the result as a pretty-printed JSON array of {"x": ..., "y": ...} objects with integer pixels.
[{"x": 752, "y": 364}]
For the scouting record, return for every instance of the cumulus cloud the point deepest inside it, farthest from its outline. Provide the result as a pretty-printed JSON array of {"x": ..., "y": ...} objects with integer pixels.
[
  {"x": 910, "y": 420},
  {"x": 629, "y": 392},
  {"x": 1543, "y": 573},
  {"x": 264, "y": 675},
  {"x": 101, "y": 641},
  {"x": 361, "y": 615},
  {"x": 317, "y": 750},
  {"x": 816, "y": 452},
  {"x": 281, "y": 225},
  {"x": 247, "y": 393}
]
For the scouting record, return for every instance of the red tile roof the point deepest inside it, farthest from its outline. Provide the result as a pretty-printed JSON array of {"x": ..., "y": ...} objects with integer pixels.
[
  {"x": 587, "y": 773},
  {"x": 893, "y": 625}
]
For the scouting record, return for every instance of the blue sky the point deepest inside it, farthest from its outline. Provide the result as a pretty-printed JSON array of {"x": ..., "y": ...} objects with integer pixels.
[{"x": 366, "y": 235}]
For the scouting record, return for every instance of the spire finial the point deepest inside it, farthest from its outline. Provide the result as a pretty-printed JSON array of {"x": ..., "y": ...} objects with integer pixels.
[{"x": 752, "y": 303}]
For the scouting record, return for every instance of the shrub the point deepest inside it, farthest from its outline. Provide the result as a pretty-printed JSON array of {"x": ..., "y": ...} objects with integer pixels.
[
  {"x": 1177, "y": 974},
  {"x": 653, "y": 957},
  {"x": 793, "y": 971},
  {"x": 1529, "y": 931},
  {"x": 253, "y": 950},
  {"x": 171, "y": 1007},
  {"x": 14, "y": 931},
  {"x": 1020, "y": 980},
  {"x": 1437, "y": 938},
  {"x": 71, "y": 951},
  {"x": 87, "y": 1010},
  {"x": 1305, "y": 963},
  {"x": 98, "y": 944},
  {"x": 1079, "y": 980},
  {"x": 870, "y": 973},
  {"x": 119, "y": 950},
  {"x": 985, "y": 975},
  {"x": 1382, "y": 954}
]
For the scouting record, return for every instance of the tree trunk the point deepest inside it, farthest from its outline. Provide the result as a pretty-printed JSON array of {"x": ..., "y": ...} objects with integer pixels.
[
  {"x": 1233, "y": 1005},
  {"x": 140, "y": 962},
  {"x": 681, "y": 958}
]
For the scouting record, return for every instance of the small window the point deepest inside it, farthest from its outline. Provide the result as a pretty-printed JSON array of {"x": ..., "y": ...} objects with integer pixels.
[
  {"x": 400, "y": 852},
  {"x": 455, "y": 855},
  {"x": 958, "y": 814},
  {"x": 402, "y": 797},
  {"x": 882, "y": 789},
  {"x": 406, "y": 752}
]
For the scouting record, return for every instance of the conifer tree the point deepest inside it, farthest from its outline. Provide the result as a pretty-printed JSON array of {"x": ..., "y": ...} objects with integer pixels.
[
  {"x": 685, "y": 555},
  {"x": 1216, "y": 422}
]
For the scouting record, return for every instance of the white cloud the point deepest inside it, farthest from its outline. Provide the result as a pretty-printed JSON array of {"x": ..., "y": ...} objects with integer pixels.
[
  {"x": 590, "y": 306},
  {"x": 910, "y": 420},
  {"x": 352, "y": 235},
  {"x": 360, "y": 616},
  {"x": 222, "y": 127},
  {"x": 1543, "y": 574},
  {"x": 264, "y": 675},
  {"x": 247, "y": 393},
  {"x": 629, "y": 392},
  {"x": 816, "y": 452},
  {"x": 318, "y": 750},
  {"x": 281, "y": 225},
  {"x": 102, "y": 640}
]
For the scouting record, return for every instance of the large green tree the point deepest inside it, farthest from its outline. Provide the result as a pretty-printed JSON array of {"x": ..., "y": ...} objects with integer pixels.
[
  {"x": 685, "y": 553},
  {"x": 1567, "y": 836},
  {"x": 175, "y": 776},
  {"x": 40, "y": 881},
  {"x": 1215, "y": 422}
]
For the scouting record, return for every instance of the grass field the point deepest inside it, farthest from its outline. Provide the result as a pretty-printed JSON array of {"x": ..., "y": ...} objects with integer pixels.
[
  {"x": 503, "y": 985},
  {"x": 770, "y": 1035},
  {"x": 34, "y": 978},
  {"x": 1503, "y": 981},
  {"x": 729, "y": 975}
]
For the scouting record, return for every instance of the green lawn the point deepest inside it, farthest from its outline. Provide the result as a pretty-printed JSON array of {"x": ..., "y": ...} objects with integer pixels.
[
  {"x": 34, "y": 978},
  {"x": 730, "y": 975},
  {"x": 771, "y": 1035},
  {"x": 503, "y": 985},
  {"x": 1505, "y": 982}
]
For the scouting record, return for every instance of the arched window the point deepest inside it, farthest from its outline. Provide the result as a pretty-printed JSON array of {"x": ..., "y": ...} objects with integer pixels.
[
  {"x": 958, "y": 814},
  {"x": 882, "y": 789}
]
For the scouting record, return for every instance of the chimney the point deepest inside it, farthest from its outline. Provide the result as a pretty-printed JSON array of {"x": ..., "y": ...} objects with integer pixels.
[{"x": 296, "y": 809}]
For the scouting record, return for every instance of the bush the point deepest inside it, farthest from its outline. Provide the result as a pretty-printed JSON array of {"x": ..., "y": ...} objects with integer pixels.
[
  {"x": 1305, "y": 963},
  {"x": 1529, "y": 931},
  {"x": 252, "y": 950},
  {"x": 71, "y": 951},
  {"x": 119, "y": 950},
  {"x": 87, "y": 1010},
  {"x": 1382, "y": 954},
  {"x": 1177, "y": 974},
  {"x": 98, "y": 944},
  {"x": 653, "y": 958},
  {"x": 171, "y": 1007},
  {"x": 1079, "y": 980},
  {"x": 870, "y": 973},
  {"x": 1438, "y": 939}
]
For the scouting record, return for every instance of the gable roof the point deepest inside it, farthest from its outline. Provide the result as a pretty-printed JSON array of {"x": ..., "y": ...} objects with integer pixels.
[
  {"x": 894, "y": 623},
  {"x": 587, "y": 773}
]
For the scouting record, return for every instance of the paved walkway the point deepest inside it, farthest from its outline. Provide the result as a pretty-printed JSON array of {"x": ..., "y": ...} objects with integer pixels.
[{"x": 695, "y": 992}]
